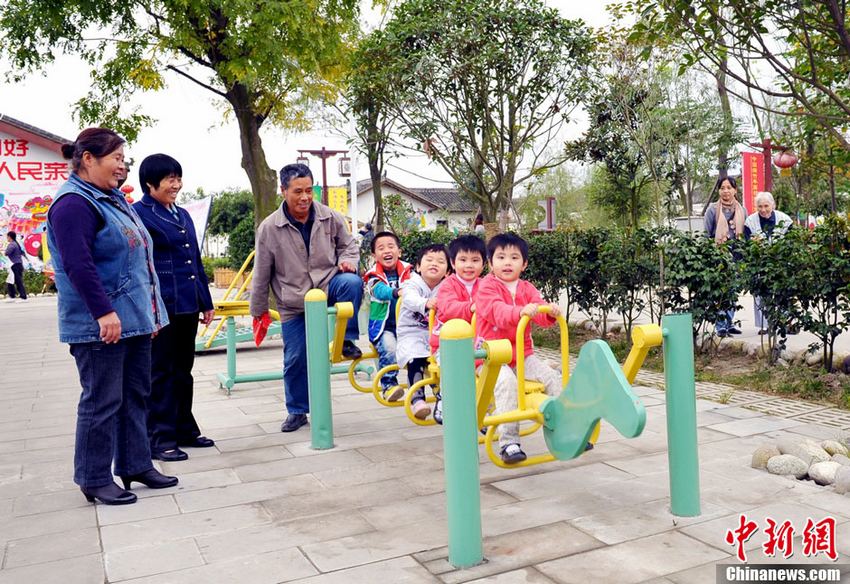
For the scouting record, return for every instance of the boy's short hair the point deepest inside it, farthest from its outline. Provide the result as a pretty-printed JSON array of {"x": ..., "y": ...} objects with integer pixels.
[
  {"x": 156, "y": 167},
  {"x": 381, "y": 234},
  {"x": 467, "y": 243},
  {"x": 434, "y": 247},
  {"x": 504, "y": 240}
]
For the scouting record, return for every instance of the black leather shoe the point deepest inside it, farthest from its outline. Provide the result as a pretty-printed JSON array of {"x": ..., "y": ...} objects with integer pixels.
[
  {"x": 198, "y": 442},
  {"x": 173, "y": 455},
  {"x": 153, "y": 479},
  {"x": 722, "y": 334},
  {"x": 733, "y": 330},
  {"x": 351, "y": 351},
  {"x": 293, "y": 422},
  {"x": 110, "y": 494}
]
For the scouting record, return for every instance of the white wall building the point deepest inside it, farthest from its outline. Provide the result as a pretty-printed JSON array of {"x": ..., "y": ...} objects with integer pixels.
[{"x": 432, "y": 207}]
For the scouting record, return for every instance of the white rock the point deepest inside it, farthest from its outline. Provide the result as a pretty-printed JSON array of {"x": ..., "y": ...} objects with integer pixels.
[
  {"x": 814, "y": 358},
  {"x": 789, "y": 444},
  {"x": 787, "y": 464},
  {"x": 823, "y": 473},
  {"x": 763, "y": 454},
  {"x": 834, "y": 447},
  {"x": 841, "y": 459},
  {"x": 782, "y": 362},
  {"x": 805, "y": 449},
  {"x": 842, "y": 480}
]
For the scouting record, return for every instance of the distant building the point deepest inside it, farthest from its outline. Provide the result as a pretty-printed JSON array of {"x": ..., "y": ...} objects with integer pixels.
[
  {"x": 31, "y": 171},
  {"x": 432, "y": 207}
]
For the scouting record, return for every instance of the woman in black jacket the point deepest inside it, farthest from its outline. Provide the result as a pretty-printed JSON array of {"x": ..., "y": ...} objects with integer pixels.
[{"x": 186, "y": 294}]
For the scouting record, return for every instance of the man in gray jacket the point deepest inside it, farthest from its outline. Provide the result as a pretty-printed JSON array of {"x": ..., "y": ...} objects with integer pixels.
[{"x": 303, "y": 245}]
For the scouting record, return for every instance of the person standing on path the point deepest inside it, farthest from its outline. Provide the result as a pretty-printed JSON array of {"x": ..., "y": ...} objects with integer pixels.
[
  {"x": 303, "y": 245},
  {"x": 186, "y": 294},
  {"x": 724, "y": 222},
  {"x": 766, "y": 224},
  {"x": 15, "y": 255},
  {"x": 109, "y": 307}
]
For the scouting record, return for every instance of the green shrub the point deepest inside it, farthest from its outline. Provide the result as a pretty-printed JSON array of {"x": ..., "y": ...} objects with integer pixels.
[
  {"x": 241, "y": 242},
  {"x": 33, "y": 281},
  {"x": 210, "y": 264}
]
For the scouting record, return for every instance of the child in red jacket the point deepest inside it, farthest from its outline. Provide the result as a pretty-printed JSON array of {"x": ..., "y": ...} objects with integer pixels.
[
  {"x": 467, "y": 255},
  {"x": 501, "y": 301}
]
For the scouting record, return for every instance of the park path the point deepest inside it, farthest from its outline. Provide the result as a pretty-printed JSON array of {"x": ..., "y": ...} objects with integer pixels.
[{"x": 262, "y": 507}]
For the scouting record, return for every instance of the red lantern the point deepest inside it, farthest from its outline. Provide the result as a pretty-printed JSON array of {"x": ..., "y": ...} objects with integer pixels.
[
  {"x": 127, "y": 189},
  {"x": 785, "y": 159}
]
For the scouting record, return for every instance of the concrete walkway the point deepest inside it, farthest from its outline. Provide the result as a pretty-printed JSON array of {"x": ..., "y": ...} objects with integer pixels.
[{"x": 262, "y": 507}]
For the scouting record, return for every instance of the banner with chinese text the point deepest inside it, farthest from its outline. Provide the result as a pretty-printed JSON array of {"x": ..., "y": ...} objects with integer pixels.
[{"x": 752, "y": 179}]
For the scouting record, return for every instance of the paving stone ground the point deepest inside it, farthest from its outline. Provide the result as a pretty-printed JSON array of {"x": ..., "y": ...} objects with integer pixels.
[{"x": 263, "y": 507}]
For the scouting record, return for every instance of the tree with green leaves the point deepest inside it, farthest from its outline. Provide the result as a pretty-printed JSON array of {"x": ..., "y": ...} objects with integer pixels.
[
  {"x": 804, "y": 48},
  {"x": 485, "y": 86},
  {"x": 266, "y": 60},
  {"x": 367, "y": 98}
]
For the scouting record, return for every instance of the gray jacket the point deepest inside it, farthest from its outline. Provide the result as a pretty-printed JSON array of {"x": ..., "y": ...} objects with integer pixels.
[{"x": 282, "y": 261}]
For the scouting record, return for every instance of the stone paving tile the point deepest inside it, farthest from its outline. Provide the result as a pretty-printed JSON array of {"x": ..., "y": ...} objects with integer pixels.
[
  {"x": 323, "y": 460},
  {"x": 149, "y": 508},
  {"x": 325, "y": 501},
  {"x": 532, "y": 487},
  {"x": 523, "y": 576},
  {"x": 404, "y": 570},
  {"x": 153, "y": 559},
  {"x": 633, "y": 561},
  {"x": 47, "y": 523},
  {"x": 242, "y": 493},
  {"x": 378, "y": 471},
  {"x": 517, "y": 549},
  {"x": 46, "y": 502},
  {"x": 754, "y": 426},
  {"x": 52, "y": 546},
  {"x": 192, "y": 481},
  {"x": 281, "y": 535},
  {"x": 270, "y": 568},
  {"x": 176, "y": 527},
  {"x": 633, "y": 522},
  {"x": 375, "y": 546},
  {"x": 227, "y": 460},
  {"x": 81, "y": 570}
]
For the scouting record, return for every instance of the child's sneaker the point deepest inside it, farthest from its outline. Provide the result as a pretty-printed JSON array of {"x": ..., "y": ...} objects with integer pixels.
[
  {"x": 512, "y": 453},
  {"x": 420, "y": 409},
  {"x": 438, "y": 410},
  {"x": 393, "y": 394}
]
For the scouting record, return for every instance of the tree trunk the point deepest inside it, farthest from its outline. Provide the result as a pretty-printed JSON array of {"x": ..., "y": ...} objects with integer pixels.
[
  {"x": 263, "y": 179},
  {"x": 377, "y": 195},
  {"x": 724, "y": 140}
]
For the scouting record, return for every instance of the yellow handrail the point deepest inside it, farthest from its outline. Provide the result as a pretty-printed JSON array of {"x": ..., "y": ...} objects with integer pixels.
[{"x": 520, "y": 352}]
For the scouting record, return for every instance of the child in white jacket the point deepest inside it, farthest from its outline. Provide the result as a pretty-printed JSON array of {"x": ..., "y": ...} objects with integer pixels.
[{"x": 418, "y": 297}]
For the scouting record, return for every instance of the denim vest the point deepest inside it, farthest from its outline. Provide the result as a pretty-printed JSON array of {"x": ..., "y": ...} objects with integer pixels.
[{"x": 122, "y": 253}]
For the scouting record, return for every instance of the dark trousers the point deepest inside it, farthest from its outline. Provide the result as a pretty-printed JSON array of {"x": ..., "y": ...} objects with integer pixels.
[
  {"x": 18, "y": 272},
  {"x": 111, "y": 413},
  {"x": 343, "y": 287},
  {"x": 170, "y": 419}
]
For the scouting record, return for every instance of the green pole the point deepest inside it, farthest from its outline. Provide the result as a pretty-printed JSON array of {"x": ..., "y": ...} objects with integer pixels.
[
  {"x": 460, "y": 443},
  {"x": 682, "y": 456},
  {"x": 318, "y": 370}
]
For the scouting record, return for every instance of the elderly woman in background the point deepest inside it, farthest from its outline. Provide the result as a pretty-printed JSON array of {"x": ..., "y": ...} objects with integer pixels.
[
  {"x": 186, "y": 294},
  {"x": 766, "y": 223},
  {"x": 109, "y": 306},
  {"x": 724, "y": 222}
]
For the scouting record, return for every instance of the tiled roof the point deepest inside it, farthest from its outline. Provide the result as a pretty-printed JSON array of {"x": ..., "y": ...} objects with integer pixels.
[
  {"x": 441, "y": 198},
  {"x": 52, "y": 139},
  {"x": 448, "y": 199}
]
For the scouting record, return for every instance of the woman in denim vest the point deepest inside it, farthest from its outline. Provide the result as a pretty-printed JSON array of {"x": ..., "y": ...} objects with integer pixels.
[
  {"x": 109, "y": 307},
  {"x": 186, "y": 294}
]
